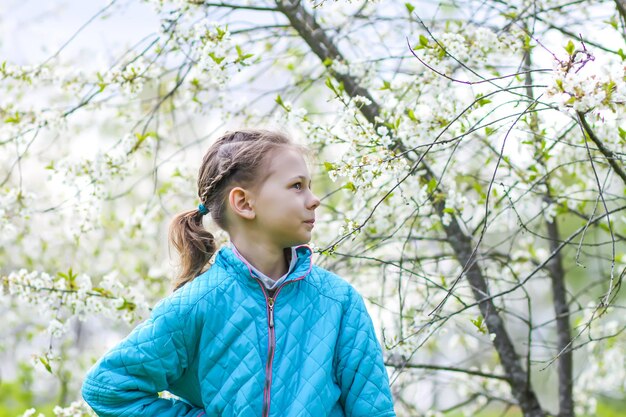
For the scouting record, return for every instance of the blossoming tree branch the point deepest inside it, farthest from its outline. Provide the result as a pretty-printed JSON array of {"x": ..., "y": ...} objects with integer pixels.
[{"x": 470, "y": 158}]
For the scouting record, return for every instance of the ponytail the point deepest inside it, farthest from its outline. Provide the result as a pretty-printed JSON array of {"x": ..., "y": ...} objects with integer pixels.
[{"x": 194, "y": 243}]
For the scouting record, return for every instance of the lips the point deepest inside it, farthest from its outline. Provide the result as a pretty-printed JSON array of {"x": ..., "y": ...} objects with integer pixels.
[{"x": 310, "y": 221}]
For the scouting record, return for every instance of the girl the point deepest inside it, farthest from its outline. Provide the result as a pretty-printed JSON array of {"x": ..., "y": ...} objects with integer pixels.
[{"x": 262, "y": 332}]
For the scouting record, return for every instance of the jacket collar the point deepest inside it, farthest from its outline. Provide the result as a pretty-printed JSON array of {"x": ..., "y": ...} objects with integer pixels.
[{"x": 236, "y": 267}]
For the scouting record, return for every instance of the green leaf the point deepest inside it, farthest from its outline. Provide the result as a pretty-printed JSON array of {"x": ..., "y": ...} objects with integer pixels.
[
  {"x": 350, "y": 186},
  {"x": 281, "y": 103},
  {"x": 432, "y": 184},
  {"x": 127, "y": 305},
  {"x": 423, "y": 41},
  {"x": 15, "y": 118},
  {"x": 482, "y": 101},
  {"x": 329, "y": 84},
  {"x": 622, "y": 133},
  {"x": 46, "y": 364},
  {"x": 608, "y": 90},
  {"x": 140, "y": 138},
  {"x": 612, "y": 22},
  {"x": 164, "y": 188},
  {"x": 143, "y": 136},
  {"x": 221, "y": 33},
  {"x": 371, "y": 230},
  {"x": 510, "y": 15},
  {"x": 329, "y": 166},
  {"x": 559, "y": 83},
  {"x": 411, "y": 115},
  {"x": 570, "y": 47},
  {"x": 386, "y": 85},
  {"x": 479, "y": 189},
  {"x": 621, "y": 54},
  {"x": 527, "y": 42},
  {"x": 102, "y": 291},
  {"x": 218, "y": 59},
  {"x": 409, "y": 7},
  {"x": 480, "y": 324},
  {"x": 240, "y": 55},
  {"x": 327, "y": 62},
  {"x": 562, "y": 208},
  {"x": 70, "y": 276},
  {"x": 101, "y": 84}
]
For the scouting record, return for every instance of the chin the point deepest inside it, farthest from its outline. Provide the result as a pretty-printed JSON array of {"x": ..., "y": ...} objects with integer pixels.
[{"x": 302, "y": 241}]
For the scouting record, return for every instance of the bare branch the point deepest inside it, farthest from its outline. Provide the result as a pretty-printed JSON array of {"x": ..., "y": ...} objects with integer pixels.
[
  {"x": 611, "y": 158},
  {"x": 447, "y": 369}
]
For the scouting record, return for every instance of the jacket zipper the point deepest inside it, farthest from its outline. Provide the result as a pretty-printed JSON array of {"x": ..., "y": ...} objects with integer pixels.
[
  {"x": 271, "y": 347},
  {"x": 270, "y": 300},
  {"x": 271, "y": 344}
]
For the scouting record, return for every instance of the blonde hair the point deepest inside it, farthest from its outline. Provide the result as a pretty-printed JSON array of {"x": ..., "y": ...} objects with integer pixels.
[{"x": 235, "y": 159}]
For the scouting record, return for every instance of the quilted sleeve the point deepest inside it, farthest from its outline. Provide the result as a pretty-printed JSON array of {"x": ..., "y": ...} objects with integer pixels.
[
  {"x": 126, "y": 380},
  {"x": 360, "y": 369}
]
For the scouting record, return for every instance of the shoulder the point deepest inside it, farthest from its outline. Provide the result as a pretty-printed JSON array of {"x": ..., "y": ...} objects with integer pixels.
[
  {"x": 331, "y": 285},
  {"x": 204, "y": 286}
]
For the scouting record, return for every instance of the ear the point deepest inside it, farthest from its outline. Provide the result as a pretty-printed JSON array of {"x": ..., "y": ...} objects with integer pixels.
[{"x": 240, "y": 201}]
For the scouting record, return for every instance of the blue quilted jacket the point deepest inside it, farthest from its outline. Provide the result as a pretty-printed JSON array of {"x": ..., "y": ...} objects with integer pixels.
[{"x": 227, "y": 346}]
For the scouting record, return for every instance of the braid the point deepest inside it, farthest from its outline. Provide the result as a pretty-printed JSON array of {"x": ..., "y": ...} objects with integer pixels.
[{"x": 216, "y": 180}]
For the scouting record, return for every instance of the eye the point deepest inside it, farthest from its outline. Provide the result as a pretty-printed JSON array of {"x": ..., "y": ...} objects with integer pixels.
[{"x": 298, "y": 185}]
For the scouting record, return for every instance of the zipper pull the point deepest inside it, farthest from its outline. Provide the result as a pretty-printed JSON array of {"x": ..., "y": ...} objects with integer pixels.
[{"x": 270, "y": 303}]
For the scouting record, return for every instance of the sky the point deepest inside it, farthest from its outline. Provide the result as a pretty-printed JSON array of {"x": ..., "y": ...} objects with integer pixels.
[{"x": 33, "y": 30}]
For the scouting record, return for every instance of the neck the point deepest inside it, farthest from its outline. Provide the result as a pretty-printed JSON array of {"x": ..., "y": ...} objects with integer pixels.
[{"x": 266, "y": 258}]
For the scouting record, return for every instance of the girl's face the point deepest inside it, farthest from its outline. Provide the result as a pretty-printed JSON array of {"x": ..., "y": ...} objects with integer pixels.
[{"x": 284, "y": 204}]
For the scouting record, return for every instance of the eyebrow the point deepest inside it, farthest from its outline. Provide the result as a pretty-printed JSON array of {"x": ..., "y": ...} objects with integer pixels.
[{"x": 299, "y": 177}]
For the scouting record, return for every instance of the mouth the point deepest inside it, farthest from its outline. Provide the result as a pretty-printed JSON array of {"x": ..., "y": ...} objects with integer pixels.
[{"x": 311, "y": 222}]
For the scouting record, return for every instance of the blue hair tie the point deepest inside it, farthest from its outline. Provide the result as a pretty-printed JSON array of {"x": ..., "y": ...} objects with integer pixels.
[{"x": 202, "y": 209}]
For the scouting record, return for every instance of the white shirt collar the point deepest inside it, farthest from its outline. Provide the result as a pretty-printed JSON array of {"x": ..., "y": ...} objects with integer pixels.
[{"x": 269, "y": 283}]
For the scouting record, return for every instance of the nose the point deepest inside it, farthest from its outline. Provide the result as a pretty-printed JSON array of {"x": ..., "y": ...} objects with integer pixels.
[{"x": 314, "y": 201}]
